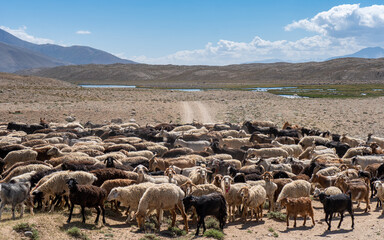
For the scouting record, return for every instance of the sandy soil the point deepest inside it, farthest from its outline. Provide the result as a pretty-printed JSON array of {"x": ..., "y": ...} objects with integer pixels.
[{"x": 28, "y": 102}]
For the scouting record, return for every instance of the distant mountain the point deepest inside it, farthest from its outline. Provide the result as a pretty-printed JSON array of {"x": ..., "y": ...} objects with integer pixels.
[
  {"x": 14, "y": 58},
  {"x": 73, "y": 55},
  {"x": 272, "y": 60},
  {"x": 369, "y": 52},
  {"x": 338, "y": 71}
]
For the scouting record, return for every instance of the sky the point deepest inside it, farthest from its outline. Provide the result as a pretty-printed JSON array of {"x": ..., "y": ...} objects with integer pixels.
[{"x": 201, "y": 32}]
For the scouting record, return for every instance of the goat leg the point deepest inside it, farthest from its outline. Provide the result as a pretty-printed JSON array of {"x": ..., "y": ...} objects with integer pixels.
[
  {"x": 341, "y": 219},
  {"x": 70, "y": 213},
  {"x": 83, "y": 213},
  {"x": 98, "y": 214},
  {"x": 103, "y": 212}
]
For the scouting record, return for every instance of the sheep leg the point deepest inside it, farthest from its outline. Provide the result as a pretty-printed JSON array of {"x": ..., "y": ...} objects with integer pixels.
[
  {"x": 287, "y": 220},
  {"x": 305, "y": 219},
  {"x": 245, "y": 213},
  {"x": 83, "y": 213},
  {"x": 103, "y": 212},
  {"x": 158, "y": 212},
  {"x": 341, "y": 219},
  {"x": 261, "y": 211},
  {"x": 201, "y": 219},
  {"x": 173, "y": 217},
  {"x": 294, "y": 224},
  {"x": 70, "y": 213},
  {"x": 203, "y": 224},
  {"x": 326, "y": 220},
  {"x": 181, "y": 208},
  {"x": 313, "y": 219},
  {"x": 13, "y": 211},
  {"x": 22, "y": 210},
  {"x": 98, "y": 214},
  {"x": 350, "y": 211}
]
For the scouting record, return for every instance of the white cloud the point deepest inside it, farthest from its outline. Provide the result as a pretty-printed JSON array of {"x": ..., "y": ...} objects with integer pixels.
[
  {"x": 21, "y": 33},
  {"x": 83, "y": 32},
  {"x": 342, "y": 30},
  {"x": 366, "y": 24}
]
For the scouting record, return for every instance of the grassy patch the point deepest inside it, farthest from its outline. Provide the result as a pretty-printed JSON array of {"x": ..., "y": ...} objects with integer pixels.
[
  {"x": 25, "y": 227},
  {"x": 277, "y": 215},
  {"x": 334, "y": 91},
  {"x": 211, "y": 222},
  {"x": 271, "y": 230},
  {"x": 213, "y": 233},
  {"x": 76, "y": 233},
  {"x": 176, "y": 232},
  {"x": 149, "y": 237}
]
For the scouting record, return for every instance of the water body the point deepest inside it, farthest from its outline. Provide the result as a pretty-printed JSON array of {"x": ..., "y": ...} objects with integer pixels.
[
  {"x": 107, "y": 86},
  {"x": 259, "y": 89}
]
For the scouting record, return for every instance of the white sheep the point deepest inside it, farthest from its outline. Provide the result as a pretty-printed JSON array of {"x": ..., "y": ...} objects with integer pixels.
[
  {"x": 196, "y": 146},
  {"x": 198, "y": 176},
  {"x": 231, "y": 194},
  {"x": 161, "y": 197},
  {"x": 295, "y": 189},
  {"x": 144, "y": 153},
  {"x": 380, "y": 192},
  {"x": 378, "y": 140},
  {"x": 253, "y": 198},
  {"x": 364, "y": 161},
  {"x": 23, "y": 155},
  {"x": 357, "y": 151},
  {"x": 329, "y": 171},
  {"x": 129, "y": 196},
  {"x": 328, "y": 191},
  {"x": 25, "y": 169},
  {"x": 294, "y": 150},
  {"x": 25, "y": 177}
]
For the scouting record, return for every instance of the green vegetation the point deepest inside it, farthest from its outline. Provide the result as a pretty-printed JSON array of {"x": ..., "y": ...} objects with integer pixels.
[
  {"x": 25, "y": 227},
  {"x": 275, "y": 234},
  {"x": 175, "y": 231},
  {"x": 277, "y": 215},
  {"x": 76, "y": 233},
  {"x": 213, "y": 233},
  {"x": 211, "y": 222},
  {"x": 149, "y": 237},
  {"x": 334, "y": 91}
]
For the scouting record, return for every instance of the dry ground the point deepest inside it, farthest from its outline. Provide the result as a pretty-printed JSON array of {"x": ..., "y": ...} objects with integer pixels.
[{"x": 28, "y": 99}]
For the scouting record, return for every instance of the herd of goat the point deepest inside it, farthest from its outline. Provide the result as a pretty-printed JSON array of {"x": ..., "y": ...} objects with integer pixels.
[{"x": 221, "y": 170}]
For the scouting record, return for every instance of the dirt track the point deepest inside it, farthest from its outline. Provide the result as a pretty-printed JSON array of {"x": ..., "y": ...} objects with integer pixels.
[{"x": 196, "y": 111}]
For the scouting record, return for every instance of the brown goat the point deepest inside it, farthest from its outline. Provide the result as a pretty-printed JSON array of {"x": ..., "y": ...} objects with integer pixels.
[
  {"x": 298, "y": 206},
  {"x": 324, "y": 181},
  {"x": 358, "y": 188}
]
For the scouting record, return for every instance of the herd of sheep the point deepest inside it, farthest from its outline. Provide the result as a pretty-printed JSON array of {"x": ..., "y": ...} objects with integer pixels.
[{"x": 213, "y": 169}]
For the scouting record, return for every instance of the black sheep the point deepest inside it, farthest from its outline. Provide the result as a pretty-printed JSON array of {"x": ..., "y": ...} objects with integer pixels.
[
  {"x": 336, "y": 204},
  {"x": 86, "y": 196},
  {"x": 212, "y": 204}
]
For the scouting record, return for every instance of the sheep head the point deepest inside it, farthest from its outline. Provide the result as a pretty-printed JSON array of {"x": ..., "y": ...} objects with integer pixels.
[
  {"x": 72, "y": 183},
  {"x": 227, "y": 180},
  {"x": 244, "y": 193},
  {"x": 113, "y": 194}
]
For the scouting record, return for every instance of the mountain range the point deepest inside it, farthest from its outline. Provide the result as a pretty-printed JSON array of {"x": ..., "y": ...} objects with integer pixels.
[
  {"x": 369, "y": 52},
  {"x": 17, "y": 54}
]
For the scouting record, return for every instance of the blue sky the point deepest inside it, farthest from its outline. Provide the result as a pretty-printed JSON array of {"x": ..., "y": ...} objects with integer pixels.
[{"x": 213, "y": 32}]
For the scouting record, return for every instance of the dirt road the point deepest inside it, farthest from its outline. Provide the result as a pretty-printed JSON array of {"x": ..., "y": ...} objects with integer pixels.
[{"x": 197, "y": 111}]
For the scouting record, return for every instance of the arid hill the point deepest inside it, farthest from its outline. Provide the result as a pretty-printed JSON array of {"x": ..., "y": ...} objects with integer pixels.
[{"x": 337, "y": 71}]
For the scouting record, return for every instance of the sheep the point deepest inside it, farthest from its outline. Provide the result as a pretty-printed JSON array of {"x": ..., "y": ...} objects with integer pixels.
[
  {"x": 336, "y": 203},
  {"x": 238, "y": 154},
  {"x": 161, "y": 197},
  {"x": 24, "y": 169},
  {"x": 294, "y": 150},
  {"x": 112, "y": 173},
  {"x": 86, "y": 196},
  {"x": 129, "y": 196},
  {"x": 329, "y": 171},
  {"x": 196, "y": 146},
  {"x": 19, "y": 164},
  {"x": 217, "y": 180},
  {"x": 364, "y": 161},
  {"x": 378, "y": 140},
  {"x": 295, "y": 189},
  {"x": 211, "y": 204},
  {"x": 19, "y": 156},
  {"x": 298, "y": 206},
  {"x": 110, "y": 184},
  {"x": 357, "y": 151},
  {"x": 268, "y": 166},
  {"x": 267, "y": 152},
  {"x": 380, "y": 192},
  {"x": 308, "y": 141},
  {"x": 15, "y": 194},
  {"x": 56, "y": 184},
  {"x": 4, "y": 150},
  {"x": 231, "y": 194},
  {"x": 235, "y": 143},
  {"x": 254, "y": 199},
  {"x": 199, "y": 176},
  {"x": 328, "y": 191},
  {"x": 352, "y": 142},
  {"x": 163, "y": 164},
  {"x": 144, "y": 153},
  {"x": 26, "y": 177}
]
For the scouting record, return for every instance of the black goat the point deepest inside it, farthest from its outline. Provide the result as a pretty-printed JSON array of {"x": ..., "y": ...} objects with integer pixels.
[
  {"x": 380, "y": 171},
  {"x": 109, "y": 162},
  {"x": 212, "y": 204},
  {"x": 238, "y": 154},
  {"x": 86, "y": 196},
  {"x": 341, "y": 148},
  {"x": 336, "y": 204}
]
